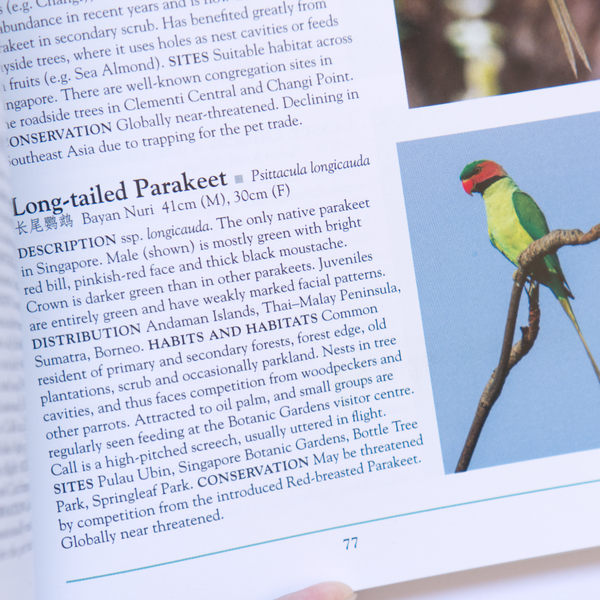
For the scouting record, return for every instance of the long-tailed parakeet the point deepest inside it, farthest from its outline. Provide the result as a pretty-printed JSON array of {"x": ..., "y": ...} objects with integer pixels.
[{"x": 514, "y": 221}]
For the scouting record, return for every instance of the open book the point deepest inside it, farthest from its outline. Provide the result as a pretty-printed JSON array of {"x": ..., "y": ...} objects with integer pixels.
[{"x": 249, "y": 311}]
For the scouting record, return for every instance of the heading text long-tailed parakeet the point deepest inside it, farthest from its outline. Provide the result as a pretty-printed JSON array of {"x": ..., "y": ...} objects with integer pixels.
[{"x": 514, "y": 221}]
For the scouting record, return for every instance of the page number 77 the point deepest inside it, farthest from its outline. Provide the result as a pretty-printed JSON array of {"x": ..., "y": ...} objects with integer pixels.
[{"x": 351, "y": 543}]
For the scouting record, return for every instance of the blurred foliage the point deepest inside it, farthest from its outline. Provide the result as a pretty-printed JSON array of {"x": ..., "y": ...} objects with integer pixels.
[
  {"x": 433, "y": 70},
  {"x": 457, "y": 49}
]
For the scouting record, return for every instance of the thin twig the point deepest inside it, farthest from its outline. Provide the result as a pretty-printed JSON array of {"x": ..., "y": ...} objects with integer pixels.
[
  {"x": 568, "y": 34},
  {"x": 510, "y": 355}
]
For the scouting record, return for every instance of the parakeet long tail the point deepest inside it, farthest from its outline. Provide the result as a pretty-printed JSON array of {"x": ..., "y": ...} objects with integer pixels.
[{"x": 567, "y": 306}]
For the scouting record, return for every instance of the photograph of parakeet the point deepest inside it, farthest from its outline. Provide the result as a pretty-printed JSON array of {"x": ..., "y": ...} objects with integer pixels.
[
  {"x": 541, "y": 182},
  {"x": 514, "y": 221}
]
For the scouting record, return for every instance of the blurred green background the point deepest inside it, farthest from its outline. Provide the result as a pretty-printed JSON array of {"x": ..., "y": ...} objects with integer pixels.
[{"x": 458, "y": 49}]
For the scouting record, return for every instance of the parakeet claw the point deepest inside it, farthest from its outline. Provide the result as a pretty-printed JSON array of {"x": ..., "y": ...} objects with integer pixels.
[{"x": 532, "y": 286}]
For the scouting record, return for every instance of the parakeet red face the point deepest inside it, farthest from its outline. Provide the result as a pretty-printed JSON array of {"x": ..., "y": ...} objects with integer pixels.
[{"x": 478, "y": 175}]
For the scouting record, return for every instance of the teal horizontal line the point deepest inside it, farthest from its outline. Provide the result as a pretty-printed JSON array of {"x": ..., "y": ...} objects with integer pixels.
[{"x": 299, "y": 535}]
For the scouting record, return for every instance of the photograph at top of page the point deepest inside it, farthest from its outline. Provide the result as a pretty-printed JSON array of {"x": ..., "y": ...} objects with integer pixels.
[{"x": 456, "y": 50}]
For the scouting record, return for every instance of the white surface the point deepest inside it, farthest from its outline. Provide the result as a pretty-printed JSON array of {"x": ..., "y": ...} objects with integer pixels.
[{"x": 571, "y": 575}]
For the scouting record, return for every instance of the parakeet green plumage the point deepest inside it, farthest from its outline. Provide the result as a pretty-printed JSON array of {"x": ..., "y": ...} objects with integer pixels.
[{"x": 514, "y": 221}]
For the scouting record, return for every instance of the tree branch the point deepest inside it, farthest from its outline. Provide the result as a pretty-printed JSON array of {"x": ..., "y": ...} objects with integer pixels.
[{"x": 510, "y": 355}]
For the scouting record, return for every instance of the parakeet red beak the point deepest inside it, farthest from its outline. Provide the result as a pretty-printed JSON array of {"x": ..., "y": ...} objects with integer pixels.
[{"x": 468, "y": 186}]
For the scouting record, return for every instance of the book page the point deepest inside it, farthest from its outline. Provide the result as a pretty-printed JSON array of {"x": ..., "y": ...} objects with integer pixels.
[
  {"x": 243, "y": 375},
  {"x": 16, "y": 561}
]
